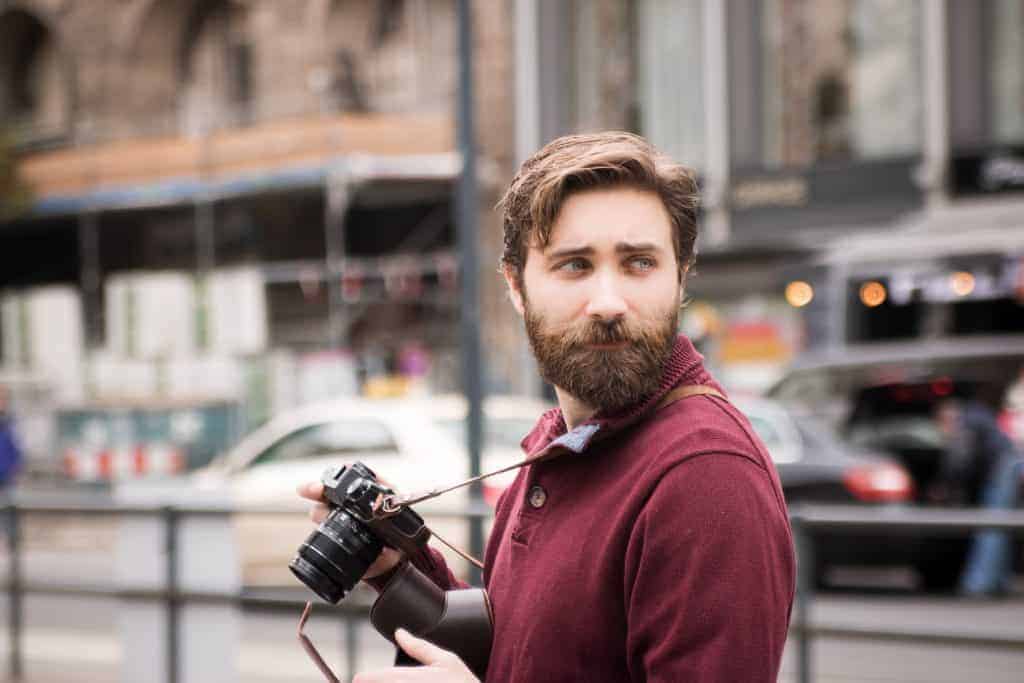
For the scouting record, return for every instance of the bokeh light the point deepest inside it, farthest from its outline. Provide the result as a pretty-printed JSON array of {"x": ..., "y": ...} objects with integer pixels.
[
  {"x": 873, "y": 294},
  {"x": 799, "y": 293},
  {"x": 962, "y": 283}
]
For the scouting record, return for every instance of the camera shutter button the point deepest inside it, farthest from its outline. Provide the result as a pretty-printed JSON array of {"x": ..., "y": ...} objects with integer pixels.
[{"x": 538, "y": 496}]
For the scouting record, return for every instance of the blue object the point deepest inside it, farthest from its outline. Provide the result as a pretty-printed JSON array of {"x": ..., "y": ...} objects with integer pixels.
[
  {"x": 989, "y": 559},
  {"x": 10, "y": 453}
]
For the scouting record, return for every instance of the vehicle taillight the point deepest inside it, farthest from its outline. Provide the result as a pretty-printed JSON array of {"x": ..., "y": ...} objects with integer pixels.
[{"x": 881, "y": 483}]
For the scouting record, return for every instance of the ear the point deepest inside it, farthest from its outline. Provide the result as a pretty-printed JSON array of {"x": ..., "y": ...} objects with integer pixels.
[{"x": 514, "y": 293}]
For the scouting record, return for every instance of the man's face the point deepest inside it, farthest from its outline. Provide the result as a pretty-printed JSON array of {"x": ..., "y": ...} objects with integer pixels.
[{"x": 601, "y": 300}]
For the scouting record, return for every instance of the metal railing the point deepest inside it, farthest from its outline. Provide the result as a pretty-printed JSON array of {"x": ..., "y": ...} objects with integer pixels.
[
  {"x": 912, "y": 522},
  {"x": 806, "y": 520},
  {"x": 173, "y": 597}
]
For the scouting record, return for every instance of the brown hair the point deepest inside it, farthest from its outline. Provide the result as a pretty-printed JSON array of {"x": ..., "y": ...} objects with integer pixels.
[{"x": 574, "y": 163}]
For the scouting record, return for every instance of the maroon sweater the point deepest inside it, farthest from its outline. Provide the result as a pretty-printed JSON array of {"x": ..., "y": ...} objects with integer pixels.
[{"x": 657, "y": 548}]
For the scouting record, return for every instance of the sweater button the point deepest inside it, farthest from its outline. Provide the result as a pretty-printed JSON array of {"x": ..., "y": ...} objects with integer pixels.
[{"x": 538, "y": 496}]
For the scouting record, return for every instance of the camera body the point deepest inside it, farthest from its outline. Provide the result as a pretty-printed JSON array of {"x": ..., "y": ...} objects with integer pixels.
[{"x": 338, "y": 552}]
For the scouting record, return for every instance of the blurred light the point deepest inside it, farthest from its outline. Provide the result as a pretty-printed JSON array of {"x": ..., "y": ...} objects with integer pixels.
[
  {"x": 872, "y": 294},
  {"x": 961, "y": 282},
  {"x": 799, "y": 293},
  {"x": 943, "y": 386},
  {"x": 879, "y": 483}
]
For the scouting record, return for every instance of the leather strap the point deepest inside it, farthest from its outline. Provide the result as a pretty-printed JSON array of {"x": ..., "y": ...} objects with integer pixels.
[{"x": 688, "y": 390}]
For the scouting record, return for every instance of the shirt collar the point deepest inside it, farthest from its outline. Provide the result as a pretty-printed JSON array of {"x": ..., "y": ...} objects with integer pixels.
[{"x": 684, "y": 366}]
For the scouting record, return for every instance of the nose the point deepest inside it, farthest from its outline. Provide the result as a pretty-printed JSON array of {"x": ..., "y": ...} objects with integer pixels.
[{"x": 606, "y": 300}]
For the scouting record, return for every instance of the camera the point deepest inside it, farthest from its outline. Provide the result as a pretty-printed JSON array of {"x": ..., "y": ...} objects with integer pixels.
[{"x": 338, "y": 552}]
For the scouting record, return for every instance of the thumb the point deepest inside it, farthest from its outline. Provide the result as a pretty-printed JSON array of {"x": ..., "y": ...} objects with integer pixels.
[{"x": 423, "y": 651}]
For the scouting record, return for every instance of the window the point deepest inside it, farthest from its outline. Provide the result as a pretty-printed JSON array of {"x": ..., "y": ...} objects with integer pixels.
[
  {"x": 390, "y": 56},
  {"x": 1007, "y": 71},
  {"x": 339, "y": 437},
  {"x": 766, "y": 430},
  {"x": 217, "y": 69},
  {"x": 33, "y": 88},
  {"x": 832, "y": 81},
  {"x": 670, "y": 81}
]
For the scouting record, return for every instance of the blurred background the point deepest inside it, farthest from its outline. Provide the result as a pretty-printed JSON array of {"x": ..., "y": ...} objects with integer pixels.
[{"x": 229, "y": 257}]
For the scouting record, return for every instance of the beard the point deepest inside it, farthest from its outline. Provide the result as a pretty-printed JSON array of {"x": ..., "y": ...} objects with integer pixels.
[{"x": 607, "y": 380}]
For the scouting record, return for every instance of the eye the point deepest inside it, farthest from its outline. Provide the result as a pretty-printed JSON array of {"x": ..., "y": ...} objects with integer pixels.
[
  {"x": 642, "y": 263},
  {"x": 575, "y": 265}
]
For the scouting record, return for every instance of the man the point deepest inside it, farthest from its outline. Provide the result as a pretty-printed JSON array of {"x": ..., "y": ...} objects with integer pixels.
[
  {"x": 657, "y": 547},
  {"x": 981, "y": 458}
]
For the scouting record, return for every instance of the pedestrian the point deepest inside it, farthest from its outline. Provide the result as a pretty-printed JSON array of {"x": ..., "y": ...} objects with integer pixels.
[
  {"x": 657, "y": 548},
  {"x": 981, "y": 458},
  {"x": 10, "y": 453}
]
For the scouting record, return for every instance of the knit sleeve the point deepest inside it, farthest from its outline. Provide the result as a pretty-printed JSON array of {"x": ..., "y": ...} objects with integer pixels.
[
  {"x": 430, "y": 562},
  {"x": 709, "y": 575}
]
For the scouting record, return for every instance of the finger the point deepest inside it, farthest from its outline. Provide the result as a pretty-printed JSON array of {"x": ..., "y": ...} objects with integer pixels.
[
  {"x": 318, "y": 512},
  {"x": 313, "y": 490},
  {"x": 423, "y": 651}
]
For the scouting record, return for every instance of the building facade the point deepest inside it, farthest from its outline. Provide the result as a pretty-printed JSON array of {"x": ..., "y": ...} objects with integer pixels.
[
  {"x": 839, "y": 143},
  {"x": 254, "y": 197},
  {"x": 245, "y": 200},
  {"x": 302, "y": 150}
]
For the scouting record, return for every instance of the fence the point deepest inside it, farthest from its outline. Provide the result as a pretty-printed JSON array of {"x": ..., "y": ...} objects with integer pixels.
[
  {"x": 889, "y": 520},
  {"x": 805, "y": 519}
]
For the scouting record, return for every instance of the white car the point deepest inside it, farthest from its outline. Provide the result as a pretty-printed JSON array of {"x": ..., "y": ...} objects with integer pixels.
[{"x": 415, "y": 444}]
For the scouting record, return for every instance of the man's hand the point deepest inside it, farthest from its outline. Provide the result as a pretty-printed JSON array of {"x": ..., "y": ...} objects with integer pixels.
[
  {"x": 314, "y": 491},
  {"x": 440, "y": 665}
]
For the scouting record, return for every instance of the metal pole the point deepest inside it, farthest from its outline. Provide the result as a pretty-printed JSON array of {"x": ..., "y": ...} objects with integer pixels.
[
  {"x": 14, "y": 603},
  {"x": 89, "y": 260},
  {"x": 205, "y": 223},
  {"x": 935, "y": 38},
  {"x": 339, "y": 196},
  {"x": 466, "y": 220},
  {"x": 716, "y": 121},
  {"x": 171, "y": 544},
  {"x": 804, "y": 588}
]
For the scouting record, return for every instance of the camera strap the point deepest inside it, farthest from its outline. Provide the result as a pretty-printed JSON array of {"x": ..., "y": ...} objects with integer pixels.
[{"x": 391, "y": 505}]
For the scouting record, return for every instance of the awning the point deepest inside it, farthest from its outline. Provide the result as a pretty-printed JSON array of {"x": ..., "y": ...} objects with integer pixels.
[
  {"x": 357, "y": 168},
  {"x": 272, "y": 156}
]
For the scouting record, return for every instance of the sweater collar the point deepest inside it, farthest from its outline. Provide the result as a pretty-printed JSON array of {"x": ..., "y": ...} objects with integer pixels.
[{"x": 684, "y": 366}]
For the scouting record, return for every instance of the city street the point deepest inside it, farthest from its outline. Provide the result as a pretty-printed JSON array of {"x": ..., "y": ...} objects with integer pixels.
[{"x": 75, "y": 640}]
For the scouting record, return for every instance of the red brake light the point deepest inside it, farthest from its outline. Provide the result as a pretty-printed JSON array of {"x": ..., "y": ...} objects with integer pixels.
[
  {"x": 879, "y": 483},
  {"x": 943, "y": 386}
]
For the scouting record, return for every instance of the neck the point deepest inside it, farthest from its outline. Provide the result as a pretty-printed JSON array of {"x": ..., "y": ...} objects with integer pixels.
[{"x": 574, "y": 411}]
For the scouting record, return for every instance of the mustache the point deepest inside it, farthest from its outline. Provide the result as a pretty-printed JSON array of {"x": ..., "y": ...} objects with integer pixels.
[{"x": 602, "y": 332}]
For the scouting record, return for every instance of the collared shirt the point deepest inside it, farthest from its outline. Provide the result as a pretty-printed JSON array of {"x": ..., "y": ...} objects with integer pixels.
[{"x": 657, "y": 548}]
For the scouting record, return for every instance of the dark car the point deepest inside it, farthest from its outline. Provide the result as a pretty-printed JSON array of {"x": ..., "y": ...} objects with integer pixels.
[
  {"x": 816, "y": 466},
  {"x": 885, "y": 400},
  {"x": 899, "y": 418}
]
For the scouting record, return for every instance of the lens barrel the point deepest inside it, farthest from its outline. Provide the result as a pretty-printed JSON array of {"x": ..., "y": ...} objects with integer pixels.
[{"x": 335, "y": 555}]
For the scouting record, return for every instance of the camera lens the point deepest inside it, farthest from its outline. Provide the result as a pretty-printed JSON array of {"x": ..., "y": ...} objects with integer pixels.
[{"x": 335, "y": 556}]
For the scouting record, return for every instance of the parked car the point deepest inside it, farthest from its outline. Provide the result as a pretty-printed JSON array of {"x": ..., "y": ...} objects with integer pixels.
[
  {"x": 816, "y": 466},
  {"x": 884, "y": 400},
  {"x": 414, "y": 444}
]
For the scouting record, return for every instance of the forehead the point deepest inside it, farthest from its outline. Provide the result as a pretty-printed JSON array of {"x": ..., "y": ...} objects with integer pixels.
[{"x": 619, "y": 214}]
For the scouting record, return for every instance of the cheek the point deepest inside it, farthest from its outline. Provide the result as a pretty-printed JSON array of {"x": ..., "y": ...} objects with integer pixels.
[{"x": 657, "y": 295}]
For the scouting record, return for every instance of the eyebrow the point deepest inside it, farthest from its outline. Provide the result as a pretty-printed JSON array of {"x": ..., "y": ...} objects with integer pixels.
[{"x": 620, "y": 248}]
